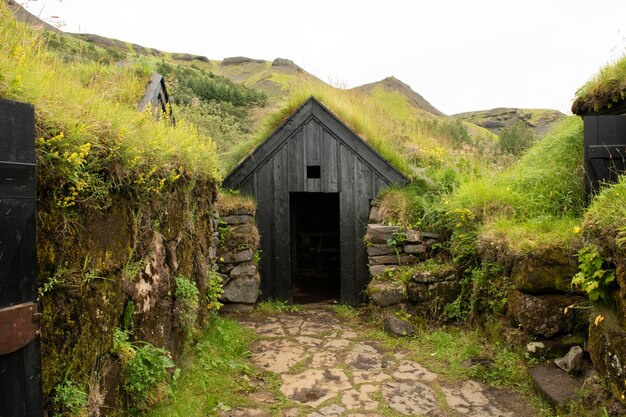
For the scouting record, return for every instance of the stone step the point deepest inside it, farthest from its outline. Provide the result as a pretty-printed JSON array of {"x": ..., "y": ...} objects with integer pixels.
[{"x": 554, "y": 385}]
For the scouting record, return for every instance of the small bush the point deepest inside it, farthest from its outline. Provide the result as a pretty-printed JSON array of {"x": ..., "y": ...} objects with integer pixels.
[
  {"x": 516, "y": 139},
  {"x": 70, "y": 399}
]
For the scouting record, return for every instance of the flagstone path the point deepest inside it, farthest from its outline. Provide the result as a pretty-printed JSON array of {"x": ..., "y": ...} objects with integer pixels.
[{"x": 326, "y": 369}]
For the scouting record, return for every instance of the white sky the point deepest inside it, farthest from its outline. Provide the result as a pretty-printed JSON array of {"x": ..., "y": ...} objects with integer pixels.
[{"x": 460, "y": 55}]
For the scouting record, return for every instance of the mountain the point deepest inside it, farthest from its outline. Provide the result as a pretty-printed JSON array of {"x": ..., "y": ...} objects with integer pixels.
[
  {"x": 539, "y": 120},
  {"x": 386, "y": 88}
]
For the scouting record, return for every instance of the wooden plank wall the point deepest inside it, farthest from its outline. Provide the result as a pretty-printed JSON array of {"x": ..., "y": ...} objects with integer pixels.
[
  {"x": 20, "y": 371},
  {"x": 284, "y": 172},
  {"x": 605, "y": 150}
]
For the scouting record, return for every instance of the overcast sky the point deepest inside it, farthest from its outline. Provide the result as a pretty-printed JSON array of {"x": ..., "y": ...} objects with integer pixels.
[{"x": 460, "y": 55}]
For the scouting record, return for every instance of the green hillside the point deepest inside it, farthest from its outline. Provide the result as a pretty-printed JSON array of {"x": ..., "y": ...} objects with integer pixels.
[{"x": 496, "y": 120}]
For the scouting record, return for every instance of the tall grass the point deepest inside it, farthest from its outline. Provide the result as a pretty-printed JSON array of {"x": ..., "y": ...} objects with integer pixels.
[{"x": 91, "y": 140}]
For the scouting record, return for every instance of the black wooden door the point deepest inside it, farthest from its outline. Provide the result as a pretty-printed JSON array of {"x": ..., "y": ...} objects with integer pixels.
[{"x": 20, "y": 363}]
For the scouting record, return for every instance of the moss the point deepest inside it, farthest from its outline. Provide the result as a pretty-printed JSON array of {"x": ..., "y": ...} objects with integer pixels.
[{"x": 605, "y": 89}]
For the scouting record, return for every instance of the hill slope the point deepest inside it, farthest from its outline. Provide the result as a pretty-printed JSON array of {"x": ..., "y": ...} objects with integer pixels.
[{"x": 539, "y": 120}]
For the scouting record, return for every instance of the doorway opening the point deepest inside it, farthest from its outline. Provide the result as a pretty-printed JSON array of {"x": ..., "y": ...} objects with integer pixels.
[{"x": 315, "y": 249}]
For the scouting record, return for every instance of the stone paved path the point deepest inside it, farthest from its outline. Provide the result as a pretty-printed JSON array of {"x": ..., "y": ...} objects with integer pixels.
[{"x": 326, "y": 369}]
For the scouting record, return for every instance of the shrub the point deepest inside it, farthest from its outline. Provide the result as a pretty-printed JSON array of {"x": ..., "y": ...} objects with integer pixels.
[
  {"x": 70, "y": 399},
  {"x": 187, "y": 305},
  {"x": 516, "y": 139}
]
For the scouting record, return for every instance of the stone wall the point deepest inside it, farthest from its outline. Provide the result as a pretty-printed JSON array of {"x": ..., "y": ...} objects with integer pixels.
[
  {"x": 542, "y": 303},
  {"x": 404, "y": 272},
  {"x": 237, "y": 256},
  {"x": 116, "y": 267}
]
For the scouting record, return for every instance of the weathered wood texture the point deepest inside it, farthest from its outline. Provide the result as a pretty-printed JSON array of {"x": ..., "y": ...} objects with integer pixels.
[
  {"x": 312, "y": 137},
  {"x": 605, "y": 150},
  {"x": 20, "y": 371},
  {"x": 156, "y": 96}
]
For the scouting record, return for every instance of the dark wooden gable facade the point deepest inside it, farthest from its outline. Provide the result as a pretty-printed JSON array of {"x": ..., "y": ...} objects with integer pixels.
[
  {"x": 156, "y": 96},
  {"x": 605, "y": 144},
  {"x": 313, "y": 152}
]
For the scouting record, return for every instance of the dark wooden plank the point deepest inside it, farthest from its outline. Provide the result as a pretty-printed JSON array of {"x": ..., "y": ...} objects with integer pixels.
[
  {"x": 347, "y": 217},
  {"x": 607, "y": 151},
  {"x": 313, "y": 135},
  {"x": 18, "y": 257},
  {"x": 269, "y": 147},
  {"x": 282, "y": 245},
  {"x": 297, "y": 167},
  {"x": 329, "y": 164},
  {"x": 264, "y": 218},
  {"x": 362, "y": 198},
  {"x": 247, "y": 187},
  {"x": 611, "y": 130},
  {"x": 17, "y": 132},
  {"x": 17, "y": 180}
]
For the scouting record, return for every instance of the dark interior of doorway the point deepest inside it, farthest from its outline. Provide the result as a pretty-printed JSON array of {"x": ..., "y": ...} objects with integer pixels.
[{"x": 315, "y": 273}]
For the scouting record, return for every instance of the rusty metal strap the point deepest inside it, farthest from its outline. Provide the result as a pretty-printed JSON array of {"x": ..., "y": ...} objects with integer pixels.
[{"x": 19, "y": 325}]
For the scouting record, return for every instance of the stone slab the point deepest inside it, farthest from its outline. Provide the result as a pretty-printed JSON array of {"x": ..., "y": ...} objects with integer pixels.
[{"x": 554, "y": 385}]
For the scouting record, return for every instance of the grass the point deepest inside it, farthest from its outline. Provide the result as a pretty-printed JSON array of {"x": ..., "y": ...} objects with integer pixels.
[
  {"x": 214, "y": 375},
  {"x": 232, "y": 202},
  {"x": 604, "y": 220},
  {"x": 606, "y": 88},
  {"x": 91, "y": 140}
]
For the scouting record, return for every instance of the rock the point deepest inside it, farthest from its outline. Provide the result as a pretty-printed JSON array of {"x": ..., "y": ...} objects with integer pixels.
[
  {"x": 535, "y": 278},
  {"x": 237, "y": 256},
  {"x": 440, "y": 292},
  {"x": 554, "y": 385},
  {"x": 415, "y": 249},
  {"x": 236, "y": 219},
  {"x": 243, "y": 271},
  {"x": 555, "y": 347},
  {"x": 571, "y": 363},
  {"x": 242, "y": 290},
  {"x": 542, "y": 315},
  {"x": 386, "y": 292},
  {"x": 431, "y": 236},
  {"x": 379, "y": 233},
  {"x": 375, "y": 216},
  {"x": 236, "y": 60},
  {"x": 392, "y": 260},
  {"x": 442, "y": 272},
  {"x": 397, "y": 327},
  {"x": 607, "y": 348},
  {"x": 376, "y": 270},
  {"x": 378, "y": 249},
  {"x": 282, "y": 62},
  {"x": 413, "y": 236}
]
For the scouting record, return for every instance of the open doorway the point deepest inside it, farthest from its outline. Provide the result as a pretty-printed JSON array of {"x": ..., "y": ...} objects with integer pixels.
[{"x": 315, "y": 273}]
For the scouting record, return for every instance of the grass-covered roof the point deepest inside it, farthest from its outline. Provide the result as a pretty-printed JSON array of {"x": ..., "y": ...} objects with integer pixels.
[{"x": 604, "y": 92}]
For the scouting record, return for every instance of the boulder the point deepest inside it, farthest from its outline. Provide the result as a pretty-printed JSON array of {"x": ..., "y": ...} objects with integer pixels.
[
  {"x": 441, "y": 274},
  {"x": 572, "y": 362},
  {"x": 236, "y": 219},
  {"x": 607, "y": 348},
  {"x": 542, "y": 315},
  {"x": 385, "y": 292},
  {"x": 393, "y": 260},
  {"x": 241, "y": 290},
  {"x": 440, "y": 293},
  {"x": 378, "y": 249},
  {"x": 530, "y": 277},
  {"x": 397, "y": 327},
  {"x": 379, "y": 233},
  {"x": 237, "y": 256}
]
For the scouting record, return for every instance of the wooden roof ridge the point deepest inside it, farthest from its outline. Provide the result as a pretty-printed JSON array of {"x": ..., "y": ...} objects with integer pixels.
[{"x": 312, "y": 108}]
